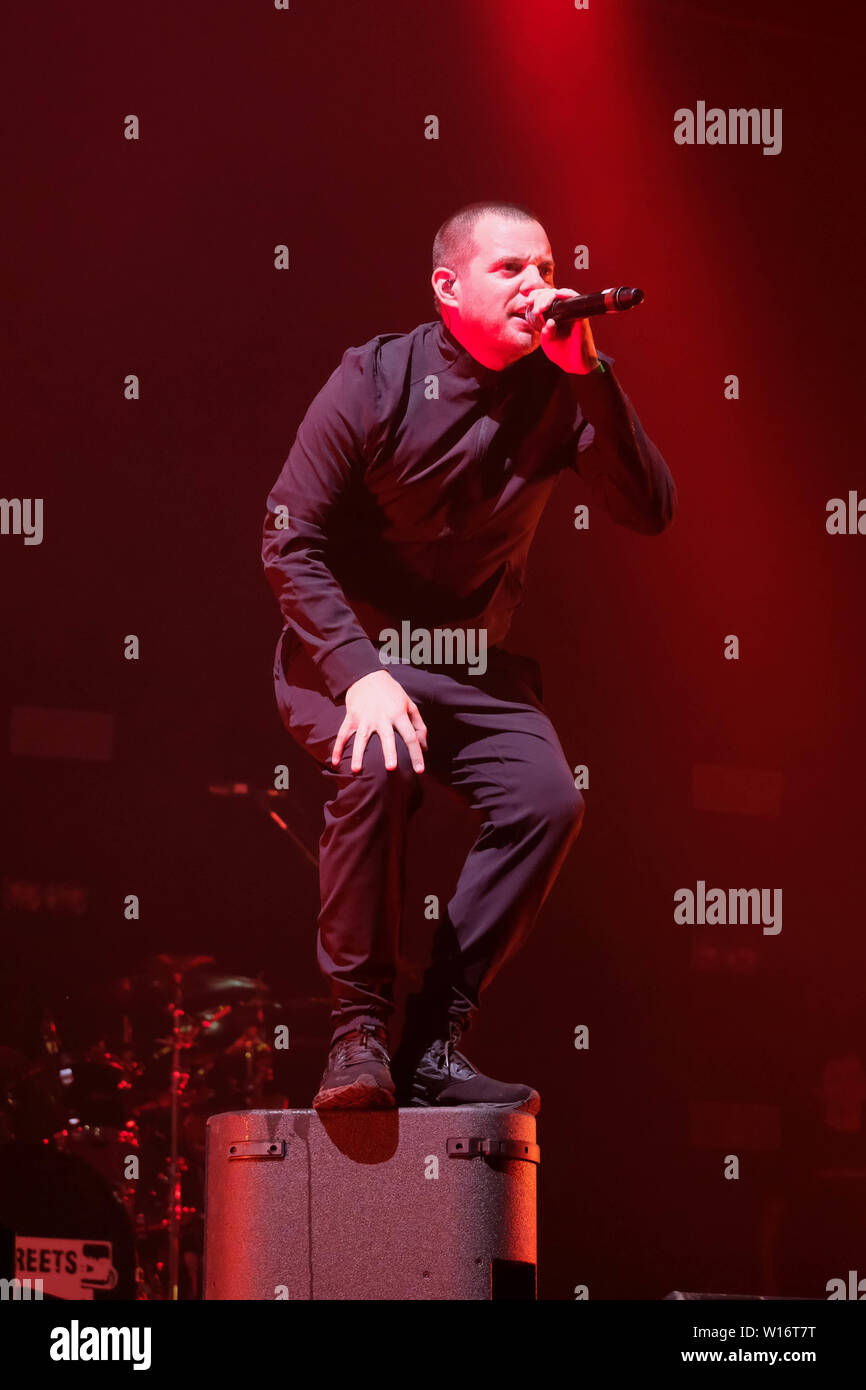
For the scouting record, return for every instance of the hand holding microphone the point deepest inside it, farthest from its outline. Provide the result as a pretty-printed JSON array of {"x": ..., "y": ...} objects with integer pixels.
[
  {"x": 550, "y": 309},
  {"x": 568, "y": 305}
]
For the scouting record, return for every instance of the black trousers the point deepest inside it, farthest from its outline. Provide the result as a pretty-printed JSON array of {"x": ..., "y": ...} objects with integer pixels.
[{"x": 491, "y": 742}]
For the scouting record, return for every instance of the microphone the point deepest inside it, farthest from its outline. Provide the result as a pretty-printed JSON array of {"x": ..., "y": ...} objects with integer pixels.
[{"x": 585, "y": 306}]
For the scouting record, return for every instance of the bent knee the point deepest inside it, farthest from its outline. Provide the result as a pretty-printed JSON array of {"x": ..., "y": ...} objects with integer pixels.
[
  {"x": 382, "y": 779},
  {"x": 559, "y": 805},
  {"x": 568, "y": 808}
]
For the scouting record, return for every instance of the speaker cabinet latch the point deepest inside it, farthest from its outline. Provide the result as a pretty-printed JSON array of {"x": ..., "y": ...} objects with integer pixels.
[
  {"x": 466, "y": 1146},
  {"x": 257, "y": 1148}
]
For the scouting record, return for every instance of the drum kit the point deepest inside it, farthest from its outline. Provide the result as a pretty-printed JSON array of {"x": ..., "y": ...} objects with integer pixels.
[{"x": 102, "y": 1149}]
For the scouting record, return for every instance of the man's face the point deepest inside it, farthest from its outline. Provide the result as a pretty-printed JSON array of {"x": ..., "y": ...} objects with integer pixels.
[{"x": 511, "y": 259}]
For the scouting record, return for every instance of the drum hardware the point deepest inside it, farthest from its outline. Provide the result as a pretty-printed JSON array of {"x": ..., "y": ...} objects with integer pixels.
[{"x": 145, "y": 1094}]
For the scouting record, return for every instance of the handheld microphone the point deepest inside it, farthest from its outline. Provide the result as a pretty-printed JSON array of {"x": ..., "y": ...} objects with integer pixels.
[{"x": 585, "y": 306}]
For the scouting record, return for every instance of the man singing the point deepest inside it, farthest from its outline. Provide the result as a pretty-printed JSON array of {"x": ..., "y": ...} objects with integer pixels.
[{"x": 407, "y": 505}]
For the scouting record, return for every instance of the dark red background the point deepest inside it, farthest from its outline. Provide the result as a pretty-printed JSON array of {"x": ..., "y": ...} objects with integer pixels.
[{"x": 156, "y": 257}]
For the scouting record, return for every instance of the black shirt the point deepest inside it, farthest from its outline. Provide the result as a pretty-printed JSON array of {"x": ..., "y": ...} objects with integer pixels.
[{"x": 417, "y": 480}]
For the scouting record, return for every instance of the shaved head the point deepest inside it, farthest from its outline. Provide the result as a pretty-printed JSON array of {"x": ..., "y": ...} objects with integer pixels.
[
  {"x": 454, "y": 243},
  {"x": 490, "y": 260}
]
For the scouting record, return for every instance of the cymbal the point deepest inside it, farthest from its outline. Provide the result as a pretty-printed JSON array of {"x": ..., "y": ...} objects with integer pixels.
[
  {"x": 157, "y": 977},
  {"x": 199, "y": 987},
  {"x": 213, "y": 986},
  {"x": 182, "y": 963}
]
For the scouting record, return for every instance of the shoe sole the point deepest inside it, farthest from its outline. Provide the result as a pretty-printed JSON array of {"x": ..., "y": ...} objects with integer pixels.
[
  {"x": 360, "y": 1095},
  {"x": 530, "y": 1106}
]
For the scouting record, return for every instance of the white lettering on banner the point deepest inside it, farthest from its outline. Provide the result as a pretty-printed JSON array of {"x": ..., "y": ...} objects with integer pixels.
[{"x": 68, "y": 1268}]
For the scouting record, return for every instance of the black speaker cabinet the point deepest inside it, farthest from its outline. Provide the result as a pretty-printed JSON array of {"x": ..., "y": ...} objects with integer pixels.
[{"x": 376, "y": 1204}]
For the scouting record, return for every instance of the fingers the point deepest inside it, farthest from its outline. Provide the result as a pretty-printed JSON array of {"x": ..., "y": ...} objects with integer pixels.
[
  {"x": 342, "y": 738},
  {"x": 418, "y": 723},
  {"x": 389, "y": 747},
  {"x": 550, "y": 328},
  {"x": 408, "y": 723},
  {"x": 543, "y": 299},
  {"x": 410, "y": 738},
  {"x": 362, "y": 737},
  {"x": 344, "y": 733}
]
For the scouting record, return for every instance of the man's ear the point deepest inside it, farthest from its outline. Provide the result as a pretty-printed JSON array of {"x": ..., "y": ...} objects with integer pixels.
[{"x": 443, "y": 281}]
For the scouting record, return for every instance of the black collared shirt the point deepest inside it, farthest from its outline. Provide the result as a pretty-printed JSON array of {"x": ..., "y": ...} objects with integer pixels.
[{"x": 417, "y": 480}]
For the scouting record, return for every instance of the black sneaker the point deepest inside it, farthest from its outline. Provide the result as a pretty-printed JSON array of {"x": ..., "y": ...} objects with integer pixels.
[
  {"x": 443, "y": 1076},
  {"x": 358, "y": 1074}
]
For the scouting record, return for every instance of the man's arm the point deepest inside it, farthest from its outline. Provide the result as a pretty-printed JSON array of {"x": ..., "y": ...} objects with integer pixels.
[
  {"x": 329, "y": 446},
  {"x": 624, "y": 470},
  {"x": 622, "y": 467},
  {"x": 334, "y": 439}
]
